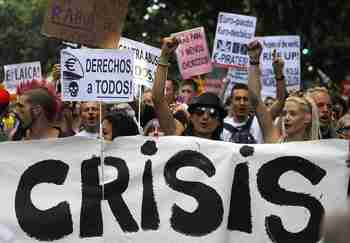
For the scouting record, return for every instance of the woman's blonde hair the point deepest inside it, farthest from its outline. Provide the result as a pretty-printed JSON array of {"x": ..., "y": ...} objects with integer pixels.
[{"x": 308, "y": 105}]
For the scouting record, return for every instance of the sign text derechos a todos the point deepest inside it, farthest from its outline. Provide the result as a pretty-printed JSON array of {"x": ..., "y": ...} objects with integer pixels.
[{"x": 97, "y": 74}]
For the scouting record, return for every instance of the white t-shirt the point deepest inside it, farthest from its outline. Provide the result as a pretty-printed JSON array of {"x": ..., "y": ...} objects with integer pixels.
[
  {"x": 255, "y": 130},
  {"x": 87, "y": 134}
]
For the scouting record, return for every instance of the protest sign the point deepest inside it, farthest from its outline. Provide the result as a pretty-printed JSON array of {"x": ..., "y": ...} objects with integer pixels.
[
  {"x": 174, "y": 189},
  {"x": 145, "y": 60},
  {"x": 235, "y": 75},
  {"x": 16, "y": 73},
  {"x": 213, "y": 86},
  {"x": 96, "y": 23},
  {"x": 233, "y": 33},
  {"x": 97, "y": 74},
  {"x": 192, "y": 54},
  {"x": 288, "y": 48}
]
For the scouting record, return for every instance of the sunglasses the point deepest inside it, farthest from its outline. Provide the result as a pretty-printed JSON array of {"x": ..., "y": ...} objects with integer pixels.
[{"x": 213, "y": 113}]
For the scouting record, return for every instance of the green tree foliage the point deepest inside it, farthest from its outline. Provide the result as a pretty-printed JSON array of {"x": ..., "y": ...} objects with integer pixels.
[
  {"x": 322, "y": 26},
  {"x": 20, "y": 36}
]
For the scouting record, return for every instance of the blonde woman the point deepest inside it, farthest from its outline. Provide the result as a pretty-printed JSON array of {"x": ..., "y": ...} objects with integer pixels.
[{"x": 300, "y": 120}]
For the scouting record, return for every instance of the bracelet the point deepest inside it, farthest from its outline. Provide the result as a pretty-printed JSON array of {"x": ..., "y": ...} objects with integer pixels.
[
  {"x": 254, "y": 63},
  {"x": 279, "y": 78},
  {"x": 163, "y": 61}
]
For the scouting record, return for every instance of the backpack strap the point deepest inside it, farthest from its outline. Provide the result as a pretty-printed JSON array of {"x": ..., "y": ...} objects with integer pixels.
[
  {"x": 248, "y": 123},
  {"x": 230, "y": 128}
]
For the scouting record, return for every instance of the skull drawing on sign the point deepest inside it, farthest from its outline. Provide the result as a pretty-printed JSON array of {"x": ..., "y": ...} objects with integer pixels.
[{"x": 73, "y": 89}]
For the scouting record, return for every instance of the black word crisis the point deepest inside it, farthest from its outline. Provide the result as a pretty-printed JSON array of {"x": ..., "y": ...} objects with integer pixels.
[{"x": 56, "y": 222}]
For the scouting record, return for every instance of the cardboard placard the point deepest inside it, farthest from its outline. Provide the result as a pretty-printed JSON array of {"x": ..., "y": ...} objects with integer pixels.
[
  {"x": 96, "y": 23},
  {"x": 192, "y": 53}
]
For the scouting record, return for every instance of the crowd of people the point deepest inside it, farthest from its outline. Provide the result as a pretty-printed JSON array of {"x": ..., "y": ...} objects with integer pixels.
[{"x": 36, "y": 111}]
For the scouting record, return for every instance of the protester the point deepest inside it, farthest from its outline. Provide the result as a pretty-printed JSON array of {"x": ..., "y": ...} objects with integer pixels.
[
  {"x": 152, "y": 129},
  {"x": 147, "y": 97},
  {"x": 90, "y": 119},
  {"x": 170, "y": 92},
  {"x": 269, "y": 101},
  {"x": 37, "y": 107},
  {"x": 339, "y": 107},
  {"x": 117, "y": 124},
  {"x": 188, "y": 89},
  {"x": 323, "y": 102},
  {"x": 343, "y": 127},
  {"x": 206, "y": 111},
  {"x": 242, "y": 127},
  {"x": 4, "y": 102},
  {"x": 299, "y": 120}
]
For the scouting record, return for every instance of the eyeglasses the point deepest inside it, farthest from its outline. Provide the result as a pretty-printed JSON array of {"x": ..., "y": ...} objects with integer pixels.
[{"x": 213, "y": 113}]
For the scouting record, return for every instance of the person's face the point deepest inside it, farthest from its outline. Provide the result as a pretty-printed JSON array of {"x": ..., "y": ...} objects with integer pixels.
[
  {"x": 107, "y": 130},
  {"x": 269, "y": 102},
  {"x": 147, "y": 98},
  {"x": 90, "y": 114},
  {"x": 240, "y": 103},
  {"x": 337, "y": 111},
  {"x": 187, "y": 93},
  {"x": 205, "y": 121},
  {"x": 294, "y": 119},
  {"x": 24, "y": 110},
  {"x": 324, "y": 105},
  {"x": 169, "y": 90}
]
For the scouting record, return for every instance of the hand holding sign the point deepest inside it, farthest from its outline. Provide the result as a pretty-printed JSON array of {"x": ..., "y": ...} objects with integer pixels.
[
  {"x": 169, "y": 45},
  {"x": 278, "y": 65},
  {"x": 254, "y": 52}
]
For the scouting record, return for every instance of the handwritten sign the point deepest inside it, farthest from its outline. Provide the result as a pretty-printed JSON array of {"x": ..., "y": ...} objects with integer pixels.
[
  {"x": 288, "y": 48},
  {"x": 192, "y": 53},
  {"x": 145, "y": 60},
  {"x": 95, "y": 23},
  {"x": 16, "y": 73},
  {"x": 233, "y": 33}
]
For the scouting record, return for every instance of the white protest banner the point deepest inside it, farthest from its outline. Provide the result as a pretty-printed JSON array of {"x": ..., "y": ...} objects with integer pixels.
[
  {"x": 97, "y": 74},
  {"x": 288, "y": 48},
  {"x": 145, "y": 60},
  {"x": 174, "y": 189},
  {"x": 233, "y": 33},
  {"x": 16, "y": 73},
  {"x": 192, "y": 54}
]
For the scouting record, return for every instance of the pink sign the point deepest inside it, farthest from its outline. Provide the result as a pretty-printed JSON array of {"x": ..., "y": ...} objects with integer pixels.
[
  {"x": 192, "y": 54},
  {"x": 213, "y": 85}
]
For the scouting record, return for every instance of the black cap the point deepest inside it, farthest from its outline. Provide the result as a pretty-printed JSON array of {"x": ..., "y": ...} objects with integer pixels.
[{"x": 209, "y": 100}]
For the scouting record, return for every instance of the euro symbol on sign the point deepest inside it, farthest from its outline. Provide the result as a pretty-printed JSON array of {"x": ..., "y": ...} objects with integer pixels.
[{"x": 69, "y": 64}]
